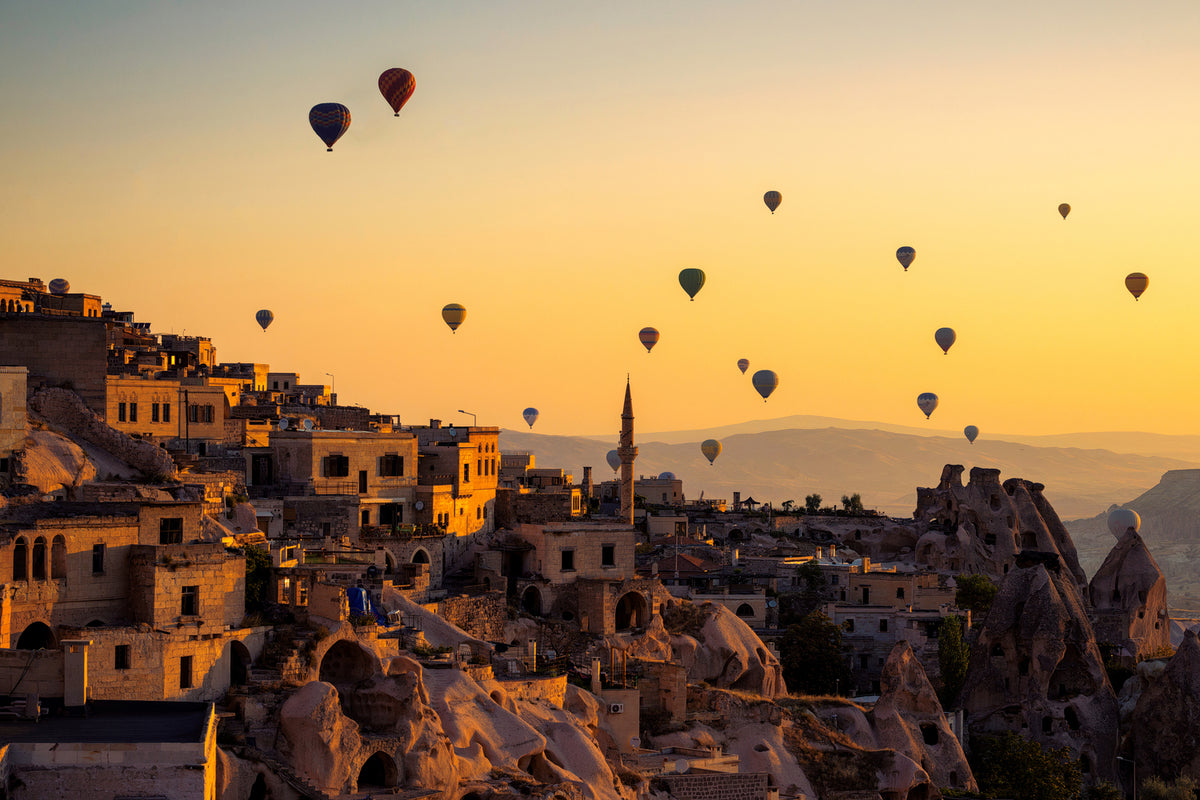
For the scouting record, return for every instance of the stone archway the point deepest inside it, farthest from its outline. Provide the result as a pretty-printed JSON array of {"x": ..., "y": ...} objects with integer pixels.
[
  {"x": 420, "y": 556},
  {"x": 632, "y": 611},
  {"x": 531, "y": 601},
  {"x": 346, "y": 662},
  {"x": 37, "y": 636},
  {"x": 745, "y": 611},
  {"x": 239, "y": 664},
  {"x": 378, "y": 772}
]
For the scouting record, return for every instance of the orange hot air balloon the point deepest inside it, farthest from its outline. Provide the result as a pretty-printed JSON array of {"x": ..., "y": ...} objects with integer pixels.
[
  {"x": 453, "y": 315},
  {"x": 648, "y": 337},
  {"x": 1136, "y": 283},
  {"x": 397, "y": 85},
  {"x": 773, "y": 199},
  {"x": 1064, "y": 209}
]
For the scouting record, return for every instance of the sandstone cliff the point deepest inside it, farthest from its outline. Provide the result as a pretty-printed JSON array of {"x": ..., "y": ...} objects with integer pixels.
[{"x": 1129, "y": 600}]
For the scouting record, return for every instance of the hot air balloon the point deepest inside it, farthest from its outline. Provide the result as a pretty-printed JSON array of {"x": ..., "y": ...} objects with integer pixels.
[
  {"x": 772, "y": 199},
  {"x": 927, "y": 402},
  {"x": 648, "y": 337},
  {"x": 971, "y": 432},
  {"x": 530, "y": 415},
  {"x": 1136, "y": 283},
  {"x": 743, "y": 364},
  {"x": 691, "y": 279},
  {"x": 945, "y": 338},
  {"x": 765, "y": 382},
  {"x": 905, "y": 256},
  {"x": 329, "y": 121},
  {"x": 397, "y": 85},
  {"x": 1120, "y": 520},
  {"x": 1064, "y": 209},
  {"x": 454, "y": 314},
  {"x": 60, "y": 286},
  {"x": 265, "y": 318},
  {"x": 711, "y": 449},
  {"x": 614, "y": 459}
]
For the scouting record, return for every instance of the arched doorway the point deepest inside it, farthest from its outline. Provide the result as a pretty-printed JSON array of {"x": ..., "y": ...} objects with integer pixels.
[
  {"x": 745, "y": 611},
  {"x": 37, "y": 636},
  {"x": 378, "y": 772},
  {"x": 346, "y": 663},
  {"x": 631, "y": 611},
  {"x": 531, "y": 601},
  {"x": 239, "y": 664},
  {"x": 420, "y": 556}
]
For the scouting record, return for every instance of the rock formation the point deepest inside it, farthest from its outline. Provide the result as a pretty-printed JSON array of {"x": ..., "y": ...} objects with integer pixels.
[
  {"x": 1036, "y": 669},
  {"x": 1166, "y": 721},
  {"x": 726, "y": 653},
  {"x": 1129, "y": 600},
  {"x": 908, "y": 718},
  {"x": 981, "y": 527}
]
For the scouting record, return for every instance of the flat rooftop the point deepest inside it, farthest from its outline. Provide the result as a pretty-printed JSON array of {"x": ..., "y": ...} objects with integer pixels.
[{"x": 114, "y": 722}]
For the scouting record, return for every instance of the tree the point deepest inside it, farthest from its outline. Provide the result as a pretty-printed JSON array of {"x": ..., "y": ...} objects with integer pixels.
[
  {"x": 1103, "y": 791},
  {"x": 258, "y": 573},
  {"x": 852, "y": 503},
  {"x": 1010, "y": 765},
  {"x": 953, "y": 656},
  {"x": 811, "y": 652},
  {"x": 812, "y": 503},
  {"x": 794, "y": 606},
  {"x": 1155, "y": 788},
  {"x": 975, "y": 592},
  {"x": 787, "y": 505}
]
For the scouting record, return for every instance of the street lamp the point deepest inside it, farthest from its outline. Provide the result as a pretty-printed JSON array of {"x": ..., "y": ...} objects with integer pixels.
[
  {"x": 332, "y": 385},
  {"x": 474, "y": 418},
  {"x": 1132, "y": 763}
]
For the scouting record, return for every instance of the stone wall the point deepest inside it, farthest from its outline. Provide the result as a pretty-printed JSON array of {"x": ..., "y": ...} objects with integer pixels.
[
  {"x": 159, "y": 575},
  {"x": 66, "y": 410},
  {"x": 58, "y": 351},
  {"x": 13, "y": 418},
  {"x": 37, "y": 672},
  {"x": 537, "y": 690},
  {"x": 751, "y": 786},
  {"x": 513, "y": 507},
  {"x": 482, "y": 616}
]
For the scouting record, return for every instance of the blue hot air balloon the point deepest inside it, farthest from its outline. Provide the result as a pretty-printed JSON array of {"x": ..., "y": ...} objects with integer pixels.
[{"x": 329, "y": 121}]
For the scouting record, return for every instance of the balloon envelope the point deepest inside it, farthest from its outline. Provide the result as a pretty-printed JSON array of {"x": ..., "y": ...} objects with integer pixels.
[
  {"x": 397, "y": 85},
  {"x": 1136, "y": 283},
  {"x": 648, "y": 337},
  {"x": 772, "y": 199},
  {"x": 691, "y": 279},
  {"x": 927, "y": 402},
  {"x": 905, "y": 256},
  {"x": 711, "y": 449},
  {"x": 265, "y": 318},
  {"x": 765, "y": 382},
  {"x": 530, "y": 415},
  {"x": 1064, "y": 209},
  {"x": 971, "y": 432},
  {"x": 743, "y": 364},
  {"x": 944, "y": 338},
  {"x": 453, "y": 314},
  {"x": 60, "y": 286},
  {"x": 614, "y": 460},
  {"x": 1121, "y": 520},
  {"x": 329, "y": 121}
]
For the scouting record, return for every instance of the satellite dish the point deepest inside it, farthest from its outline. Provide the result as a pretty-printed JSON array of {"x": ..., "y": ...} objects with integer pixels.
[
  {"x": 283, "y": 424},
  {"x": 681, "y": 765},
  {"x": 453, "y": 433},
  {"x": 772, "y": 603},
  {"x": 308, "y": 426},
  {"x": 419, "y": 505},
  {"x": 635, "y": 742}
]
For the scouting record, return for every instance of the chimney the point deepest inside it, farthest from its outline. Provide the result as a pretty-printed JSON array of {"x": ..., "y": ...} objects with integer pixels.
[{"x": 435, "y": 423}]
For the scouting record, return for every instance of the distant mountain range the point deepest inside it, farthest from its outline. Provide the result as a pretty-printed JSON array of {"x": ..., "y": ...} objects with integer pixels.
[{"x": 788, "y": 458}]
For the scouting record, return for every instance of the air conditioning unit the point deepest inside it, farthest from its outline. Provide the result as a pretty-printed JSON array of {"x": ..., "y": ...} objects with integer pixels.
[{"x": 616, "y": 708}]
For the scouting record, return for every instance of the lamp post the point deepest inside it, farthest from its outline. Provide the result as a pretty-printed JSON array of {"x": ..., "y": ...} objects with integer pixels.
[
  {"x": 1133, "y": 764},
  {"x": 332, "y": 387},
  {"x": 474, "y": 418}
]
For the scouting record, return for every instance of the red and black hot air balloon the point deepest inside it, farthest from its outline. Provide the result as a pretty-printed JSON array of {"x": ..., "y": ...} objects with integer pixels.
[{"x": 397, "y": 85}]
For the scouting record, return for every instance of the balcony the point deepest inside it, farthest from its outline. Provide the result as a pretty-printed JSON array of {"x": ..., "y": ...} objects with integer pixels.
[{"x": 401, "y": 532}]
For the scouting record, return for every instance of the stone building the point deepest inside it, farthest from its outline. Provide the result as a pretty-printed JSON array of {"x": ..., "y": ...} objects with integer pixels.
[{"x": 13, "y": 419}]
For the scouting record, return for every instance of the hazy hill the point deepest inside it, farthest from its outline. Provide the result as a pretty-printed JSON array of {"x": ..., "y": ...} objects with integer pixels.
[
  {"x": 1170, "y": 513},
  {"x": 884, "y": 467}
]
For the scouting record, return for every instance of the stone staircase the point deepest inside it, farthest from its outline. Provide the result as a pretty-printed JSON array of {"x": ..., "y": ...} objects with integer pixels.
[{"x": 285, "y": 658}]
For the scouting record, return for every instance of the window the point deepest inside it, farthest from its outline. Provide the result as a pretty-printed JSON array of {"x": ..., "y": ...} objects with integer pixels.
[
  {"x": 362, "y": 481},
  {"x": 326, "y": 528},
  {"x": 275, "y": 384},
  {"x": 20, "y": 560},
  {"x": 391, "y": 466},
  {"x": 833, "y": 580},
  {"x": 190, "y": 604},
  {"x": 366, "y": 516},
  {"x": 133, "y": 412},
  {"x": 166, "y": 412},
  {"x": 39, "y": 559},
  {"x": 900, "y": 593},
  {"x": 478, "y": 512},
  {"x": 863, "y": 661},
  {"x": 120, "y": 412},
  {"x": 608, "y": 555},
  {"x": 883, "y": 626},
  {"x": 568, "y": 560},
  {"x": 208, "y": 414},
  {"x": 337, "y": 466},
  {"x": 154, "y": 412},
  {"x": 170, "y": 530},
  {"x": 193, "y": 413},
  {"x": 466, "y": 473},
  {"x": 58, "y": 558},
  {"x": 121, "y": 657},
  {"x": 185, "y": 672},
  {"x": 98, "y": 559}
]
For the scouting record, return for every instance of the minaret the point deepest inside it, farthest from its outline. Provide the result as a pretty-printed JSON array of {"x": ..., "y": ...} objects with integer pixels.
[{"x": 628, "y": 453}]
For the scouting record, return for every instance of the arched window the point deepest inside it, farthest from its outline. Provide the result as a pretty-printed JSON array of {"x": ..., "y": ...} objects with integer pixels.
[
  {"x": 58, "y": 558},
  {"x": 39, "y": 559},
  {"x": 20, "y": 560}
]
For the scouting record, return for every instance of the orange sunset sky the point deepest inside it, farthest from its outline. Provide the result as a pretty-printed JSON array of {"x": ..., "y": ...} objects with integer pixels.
[{"x": 559, "y": 164}]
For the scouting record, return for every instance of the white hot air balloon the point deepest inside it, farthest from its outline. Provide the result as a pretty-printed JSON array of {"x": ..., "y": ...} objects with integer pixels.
[
  {"x": 1120, "y": 520},
  {"x": 614, "y": 460}
]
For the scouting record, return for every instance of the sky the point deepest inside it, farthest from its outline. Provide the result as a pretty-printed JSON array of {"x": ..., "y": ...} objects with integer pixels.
[{"x": 560, "y": 163}]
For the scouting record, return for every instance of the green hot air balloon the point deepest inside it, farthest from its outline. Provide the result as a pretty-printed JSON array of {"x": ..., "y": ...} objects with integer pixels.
[
  {"x": 711, "y": 449},
  {"x": 765, "y": 381},
  {"x": 691, "y": 279}
]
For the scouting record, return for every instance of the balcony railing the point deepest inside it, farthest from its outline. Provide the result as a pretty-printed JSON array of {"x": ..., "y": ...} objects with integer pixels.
[{"x": 400, "y": 531}]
